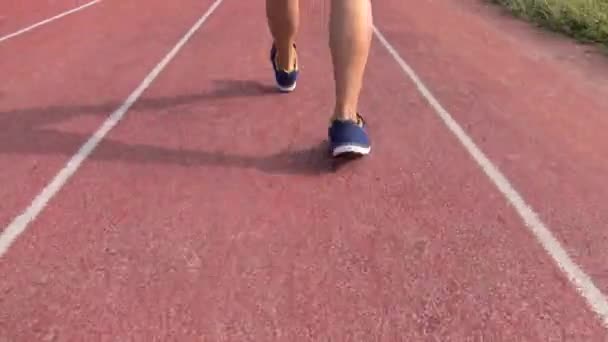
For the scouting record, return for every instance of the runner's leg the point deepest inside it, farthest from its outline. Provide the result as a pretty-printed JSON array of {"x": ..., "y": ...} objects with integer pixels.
[
  {"x": 350, "y": 39},
  {"x": 283, "y": 21},
  {"x": 350, "y": 35}
]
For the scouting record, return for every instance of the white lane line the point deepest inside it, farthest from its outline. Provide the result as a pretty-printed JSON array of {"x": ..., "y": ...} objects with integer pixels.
[
  {"x": 581, "y": 281},
  {"x": 46, "y": 21},
  {"x": 21, "y": 222}
]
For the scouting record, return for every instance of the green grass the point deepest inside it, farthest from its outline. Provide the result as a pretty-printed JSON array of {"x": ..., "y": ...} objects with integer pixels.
[{"x": 585, "y": 20}]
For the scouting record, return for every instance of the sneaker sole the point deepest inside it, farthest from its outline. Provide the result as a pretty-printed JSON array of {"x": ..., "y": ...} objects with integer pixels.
[
  {"x": 286, "y": 89},
  {"x": 350, "y": 149}
]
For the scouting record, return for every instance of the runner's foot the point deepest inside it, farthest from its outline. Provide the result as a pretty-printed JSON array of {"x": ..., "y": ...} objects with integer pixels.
[
  {"x": 348, "y": 137},
  {"x": 285, "y": 79}
]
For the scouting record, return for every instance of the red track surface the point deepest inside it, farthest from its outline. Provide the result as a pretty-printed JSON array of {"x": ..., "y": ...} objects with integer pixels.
[
  {"x": 18, "y": 14},
  {"x": 211, "y": 210}
]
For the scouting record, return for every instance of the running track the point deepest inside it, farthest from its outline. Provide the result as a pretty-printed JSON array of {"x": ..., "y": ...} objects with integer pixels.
[{"x": 210, "y": 212}]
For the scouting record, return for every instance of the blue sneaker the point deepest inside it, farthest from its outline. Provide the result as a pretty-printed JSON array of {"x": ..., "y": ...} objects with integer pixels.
[
  {"x": 286, "y": 80},
  {"x": 349, "y": 137}
]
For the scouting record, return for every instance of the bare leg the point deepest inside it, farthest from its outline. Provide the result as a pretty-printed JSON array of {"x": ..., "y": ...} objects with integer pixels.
[
  {"x": 283, "y": 21},
  {"x": 350, "y": 34}
]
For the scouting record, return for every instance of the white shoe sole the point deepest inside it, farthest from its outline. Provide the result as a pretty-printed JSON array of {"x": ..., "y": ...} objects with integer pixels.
[
  {"x": 351, "y": 149},
  {"x": 286, "y": 89}
]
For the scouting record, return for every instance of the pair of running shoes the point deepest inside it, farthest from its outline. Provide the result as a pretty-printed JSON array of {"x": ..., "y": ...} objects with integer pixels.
[{"x": 345, "y": 137}]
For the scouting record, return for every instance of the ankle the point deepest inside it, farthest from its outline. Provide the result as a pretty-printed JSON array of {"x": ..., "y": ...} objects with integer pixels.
[
  {"x": 286, "y": 57},
  {"x": 346, "y": 115}
]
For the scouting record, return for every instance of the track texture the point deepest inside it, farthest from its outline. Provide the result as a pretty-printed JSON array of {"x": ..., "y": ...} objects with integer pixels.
[{"x": 212, "y": 212}]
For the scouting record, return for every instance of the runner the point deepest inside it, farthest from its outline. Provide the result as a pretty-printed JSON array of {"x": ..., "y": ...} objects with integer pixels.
[{"x": 350, "y": 33}]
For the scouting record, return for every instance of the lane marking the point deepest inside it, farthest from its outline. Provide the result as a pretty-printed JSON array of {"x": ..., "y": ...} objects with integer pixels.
[
  {"x": 581, "y": 281},
  {"x": 21, "y": 222},
  {"x": 46, "y": 21}
]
